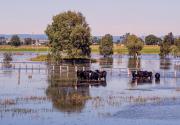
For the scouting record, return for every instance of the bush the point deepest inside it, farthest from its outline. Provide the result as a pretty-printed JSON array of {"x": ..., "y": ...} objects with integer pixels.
[
  {"x": 15, "y": 40},
  {"x": 134, "y": 45},
  {"x": 106, "y": 45}
]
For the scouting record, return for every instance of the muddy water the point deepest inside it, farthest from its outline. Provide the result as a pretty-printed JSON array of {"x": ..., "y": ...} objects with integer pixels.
[{"x": 32, "y": 97}]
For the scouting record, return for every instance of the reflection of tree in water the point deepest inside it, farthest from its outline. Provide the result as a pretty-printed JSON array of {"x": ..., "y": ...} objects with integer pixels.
[
  {"x": 7, "y": 58},
  {"x": 62, "y": 93},
  {"x": 68, "y": 99},
  {"x": 133, "y": 63},
  {"x": 165, "y": 63},
  {"x": 106, "y": 62}
]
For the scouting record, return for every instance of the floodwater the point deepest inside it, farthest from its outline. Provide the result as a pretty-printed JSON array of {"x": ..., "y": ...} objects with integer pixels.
[{"x": 33, "y": 97}]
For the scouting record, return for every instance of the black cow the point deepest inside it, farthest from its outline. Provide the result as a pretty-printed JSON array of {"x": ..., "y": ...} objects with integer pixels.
[
  {"x": 141, "y": 75},
  {"x": 157, "y": 77},
  {"x": 91, "y": 75}
]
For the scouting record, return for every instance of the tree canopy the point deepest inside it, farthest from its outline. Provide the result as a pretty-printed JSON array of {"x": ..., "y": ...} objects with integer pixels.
[
  {"x": 134, "y": 45},
  {"x": 152, "y": 40},
  {"x": 96, "y": 40},
  {"x": 69, "y": 36},
  {"x": 28, "y": 41},
  {"x": 175, "y": 49},
  {"x": 15, "y": 40},
  {"x": 106, "y": 45},
  {"x": 165, "y": 46},
  {"x": 177, "y": 42}
]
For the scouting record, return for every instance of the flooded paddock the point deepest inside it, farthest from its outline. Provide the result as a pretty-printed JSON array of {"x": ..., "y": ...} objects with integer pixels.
[{"x": 35, "y": 97}]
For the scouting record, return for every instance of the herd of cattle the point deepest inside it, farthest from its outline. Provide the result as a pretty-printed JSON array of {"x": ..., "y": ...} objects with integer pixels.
[
  {"x": 91, "y": 75},
  {"x": 144, "y": 75},
  {"x": 101, "y": 75}
]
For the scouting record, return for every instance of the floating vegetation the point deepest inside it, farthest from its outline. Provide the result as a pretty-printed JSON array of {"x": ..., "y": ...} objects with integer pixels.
[
  {"x": 117, "y": 101},
  {"x": 6, "y": 102},
  {"x": 12, "y": 105},
  {"x": 25, "y": 110},
  {"x": 33, "y": 98}
]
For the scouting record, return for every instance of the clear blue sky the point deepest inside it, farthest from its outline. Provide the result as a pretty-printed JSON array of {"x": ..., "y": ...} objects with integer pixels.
[{"x": 116, "y": 17}]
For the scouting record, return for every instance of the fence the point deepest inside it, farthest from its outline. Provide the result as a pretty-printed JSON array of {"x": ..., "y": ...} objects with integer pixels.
[{"x": 68, "y": 69}]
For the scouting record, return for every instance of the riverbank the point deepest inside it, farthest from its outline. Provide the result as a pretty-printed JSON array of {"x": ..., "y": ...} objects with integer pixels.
[{"x": 118, "y": 49}]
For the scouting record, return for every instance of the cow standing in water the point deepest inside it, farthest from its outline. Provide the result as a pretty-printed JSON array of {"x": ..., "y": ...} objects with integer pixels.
[
  {"x": 141, "y": 75},
  {"x": 157, "y": 77},
  {"x": 91, "y": 75}
]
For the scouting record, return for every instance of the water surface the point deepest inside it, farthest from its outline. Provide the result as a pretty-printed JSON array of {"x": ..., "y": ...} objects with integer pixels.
[{"x": 32, "y": 97}]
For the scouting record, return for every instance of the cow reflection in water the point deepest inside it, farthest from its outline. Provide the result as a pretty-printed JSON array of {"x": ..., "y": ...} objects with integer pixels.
[
  {"x": 68, "y": 99},
  {"x": 7, "y": 58}
]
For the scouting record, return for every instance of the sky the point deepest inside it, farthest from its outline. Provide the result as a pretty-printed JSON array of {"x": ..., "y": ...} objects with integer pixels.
[{"x": 117, "y": 17}]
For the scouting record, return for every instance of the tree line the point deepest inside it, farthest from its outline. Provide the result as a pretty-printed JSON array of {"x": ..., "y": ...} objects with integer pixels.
[
  {"x": 70, "y": 37},
  {"x": 16, "y": 41}
]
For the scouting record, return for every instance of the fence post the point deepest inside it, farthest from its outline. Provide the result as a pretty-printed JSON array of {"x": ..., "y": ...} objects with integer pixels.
[
  {"x": 67, "y": 68},
  {"x": 60, "y": 68},
  {"x": 67, "y": 71},
  {"x": 19, "y": 66},
  {"x": 53, "y": 67},
  {"x": 128, "y": 72},
  {"x": 75, "y": 68},
  {"x": 39, "y": 67},
  {"x": 32, "y": 67},
  {"x": 53, "y": 70}
]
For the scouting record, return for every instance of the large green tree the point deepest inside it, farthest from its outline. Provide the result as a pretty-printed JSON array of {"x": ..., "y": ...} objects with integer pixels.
[
  {"x": 152, "y": 40},
  {"x": 69, "y": 36},
  {"x": 124, "y": 38},
  {"x": 175, "y": 49},
  {"x": 15, "y": 40},
  {"x": 106, "y": 45},
  {"x": 170, "y": 38},
  {"x": 177, "y": 42},
  {"x": 134, "y": 45},
  {"x": 165, "y": 46}
]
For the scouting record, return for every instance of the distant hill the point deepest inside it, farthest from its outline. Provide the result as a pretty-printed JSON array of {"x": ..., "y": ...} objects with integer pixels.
[
  {"x": 44, "y": 37},
  {"x": 33, "y": 36}
]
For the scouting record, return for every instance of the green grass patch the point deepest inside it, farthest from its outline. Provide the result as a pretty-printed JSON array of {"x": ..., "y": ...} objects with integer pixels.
[
  {"x": 23, "y": 48},
  {"x": 118, "y": 49},
  {"x": 39, "y": 58}
]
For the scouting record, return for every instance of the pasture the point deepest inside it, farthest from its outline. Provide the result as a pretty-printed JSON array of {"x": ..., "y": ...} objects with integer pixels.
[{"x": 95, "y": 49}]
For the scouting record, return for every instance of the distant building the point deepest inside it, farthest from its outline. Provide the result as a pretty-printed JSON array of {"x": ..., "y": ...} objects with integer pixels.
[
  {"x": 3, "y": 40},
  {"x": 41, "y": 42}
]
